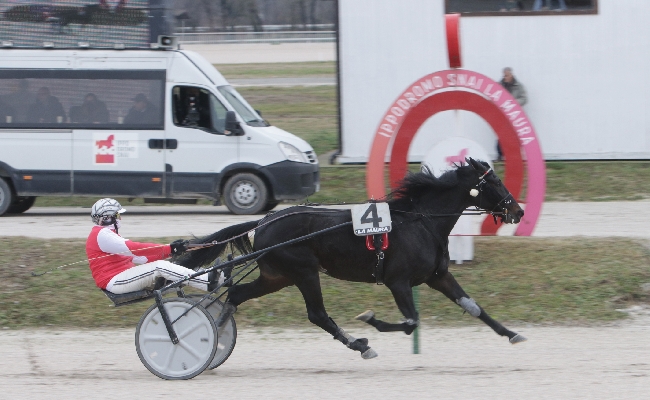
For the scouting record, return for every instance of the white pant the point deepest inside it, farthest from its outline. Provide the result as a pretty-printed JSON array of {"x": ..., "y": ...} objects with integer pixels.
[{"x": 144, "y": 276}]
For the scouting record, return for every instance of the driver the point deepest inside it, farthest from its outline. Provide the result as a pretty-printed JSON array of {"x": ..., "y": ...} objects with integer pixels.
[{"x": 121, "y": 266}]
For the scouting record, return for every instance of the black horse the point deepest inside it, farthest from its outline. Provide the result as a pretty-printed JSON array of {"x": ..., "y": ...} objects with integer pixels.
[{"x": 424, "y": 209}]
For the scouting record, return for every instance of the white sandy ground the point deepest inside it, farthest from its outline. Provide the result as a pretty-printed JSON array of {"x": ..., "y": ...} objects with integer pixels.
[
  {"x": 558, "y": 219},
  {"x": 605, "y": 362},
  {"x": 611, "y": 362}
]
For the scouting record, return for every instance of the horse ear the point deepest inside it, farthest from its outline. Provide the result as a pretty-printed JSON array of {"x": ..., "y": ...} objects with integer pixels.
[
  {"x": 475, "y": 164},
  {"x": 426, "y": 170}
]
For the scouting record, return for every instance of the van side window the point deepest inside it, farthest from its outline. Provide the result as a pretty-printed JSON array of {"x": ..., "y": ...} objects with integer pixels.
[
  {"x": 82, "y": 99},
  {"x": 218, "y": 113},
  {"x": 195, "y": 107}
]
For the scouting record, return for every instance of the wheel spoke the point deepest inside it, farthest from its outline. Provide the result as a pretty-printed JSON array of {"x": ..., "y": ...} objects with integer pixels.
[
  {"x": 190, "y": 330},
  {"x": 190, "y": 349},
  {"x": 156, "y": 338},
  {"x": 169, "y": 358}
]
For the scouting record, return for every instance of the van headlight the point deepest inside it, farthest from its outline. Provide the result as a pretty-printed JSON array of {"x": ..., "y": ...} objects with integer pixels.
[{"x": 292, "y": 153}]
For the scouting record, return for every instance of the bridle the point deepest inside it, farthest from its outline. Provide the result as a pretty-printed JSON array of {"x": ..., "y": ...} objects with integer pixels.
[{"x": 501, "y": 207}]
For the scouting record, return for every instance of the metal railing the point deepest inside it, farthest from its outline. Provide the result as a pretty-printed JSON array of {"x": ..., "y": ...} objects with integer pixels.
[{"x": 257, "y": 37}]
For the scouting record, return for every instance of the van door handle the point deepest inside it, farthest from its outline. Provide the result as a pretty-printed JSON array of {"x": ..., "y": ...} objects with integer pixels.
[
  {"x": 156, "y": 143},
  {"x": 171, "y": 144}
]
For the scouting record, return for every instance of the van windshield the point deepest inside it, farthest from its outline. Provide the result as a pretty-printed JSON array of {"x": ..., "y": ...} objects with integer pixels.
[{"x": 240, "y": 105}]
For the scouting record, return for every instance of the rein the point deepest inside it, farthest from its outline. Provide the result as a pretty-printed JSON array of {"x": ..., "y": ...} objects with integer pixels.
[
  {"x": 216, "y": 242},
  {"x": 96, "y": 258},
  {"x": 449, "y": 215}
]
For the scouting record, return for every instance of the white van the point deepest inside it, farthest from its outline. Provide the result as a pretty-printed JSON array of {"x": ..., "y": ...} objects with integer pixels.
[{"x": 163, "y": 125}]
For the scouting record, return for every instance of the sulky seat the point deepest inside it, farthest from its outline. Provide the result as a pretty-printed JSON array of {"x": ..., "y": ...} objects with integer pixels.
[{"x": 134, "y": 297}]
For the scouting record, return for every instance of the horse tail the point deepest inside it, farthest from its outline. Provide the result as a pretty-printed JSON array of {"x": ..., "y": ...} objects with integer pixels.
[{"x": 234, "y": 235}]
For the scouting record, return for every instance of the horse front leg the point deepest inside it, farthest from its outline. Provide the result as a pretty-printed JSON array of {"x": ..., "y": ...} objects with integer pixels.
[
  {"x": 311, "y": 292},
  {"x": 447, "y": 285},
  {"x": 403, "y": 295}
]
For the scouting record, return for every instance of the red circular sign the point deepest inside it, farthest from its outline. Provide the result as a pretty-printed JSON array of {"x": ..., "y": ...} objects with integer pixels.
[{"x": 469, "y": 91}]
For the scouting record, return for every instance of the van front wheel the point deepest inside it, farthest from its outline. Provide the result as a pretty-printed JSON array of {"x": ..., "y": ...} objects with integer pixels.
[
  {"x": 245, "y": 193},
  {"x": 6, "y": 196}
]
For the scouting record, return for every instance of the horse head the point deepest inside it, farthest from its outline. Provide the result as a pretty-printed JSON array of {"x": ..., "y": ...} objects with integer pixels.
[{"x": 491, "y": 194}]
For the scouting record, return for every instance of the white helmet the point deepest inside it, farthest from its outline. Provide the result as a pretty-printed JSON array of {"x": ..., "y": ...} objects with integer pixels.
[{"x": 105, "y": 210}]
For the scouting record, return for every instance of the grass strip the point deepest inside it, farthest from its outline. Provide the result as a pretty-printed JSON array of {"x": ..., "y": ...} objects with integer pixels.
[
  {"x": 278, "y": 70},
  {"x": 528, "y": 280}
]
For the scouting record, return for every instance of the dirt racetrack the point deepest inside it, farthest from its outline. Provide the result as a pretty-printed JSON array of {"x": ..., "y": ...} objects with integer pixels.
[
  {"x": 456, "y": 363},
  {"x": 605, "y": 362}
]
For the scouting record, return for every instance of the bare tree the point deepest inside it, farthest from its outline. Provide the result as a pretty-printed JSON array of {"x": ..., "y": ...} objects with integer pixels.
[
  {"x": 254, "y": 15},
  {"x": 207, "y": 7},
  {"x": 305, "y": 13},
  {"x": 228, "y": 14},
  {"x": 312, "y": 12}
]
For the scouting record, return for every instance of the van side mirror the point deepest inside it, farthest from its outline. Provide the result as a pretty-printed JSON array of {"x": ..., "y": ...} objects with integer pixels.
[
  {"x": 232, "y": 126},
  {"x": 258, "y": 112}
]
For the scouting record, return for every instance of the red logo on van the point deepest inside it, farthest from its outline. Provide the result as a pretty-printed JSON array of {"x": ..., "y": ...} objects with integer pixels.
[{"x": 105, "y": 151}]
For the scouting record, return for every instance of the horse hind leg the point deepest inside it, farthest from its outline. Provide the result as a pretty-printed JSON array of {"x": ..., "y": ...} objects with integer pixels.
[
  {"x": 403, "y": 295},
  {"x": 447, "y": 285}
]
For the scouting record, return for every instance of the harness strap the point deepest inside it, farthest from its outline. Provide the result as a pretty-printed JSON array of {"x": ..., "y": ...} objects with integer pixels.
[
  {"x": 378, "y": 242},
  {"x": 370, "y": 241}
]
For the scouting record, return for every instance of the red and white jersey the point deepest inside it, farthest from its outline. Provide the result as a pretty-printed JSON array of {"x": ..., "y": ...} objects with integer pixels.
[{"x": 109, "y": 254}]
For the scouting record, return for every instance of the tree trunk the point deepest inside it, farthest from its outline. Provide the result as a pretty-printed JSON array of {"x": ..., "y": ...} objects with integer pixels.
[
  {"x": 313, "y": 4},
  {"x": 227, "y": 16},
  {"x": 208, "y": 12},
  {"x": 254, "y": 16}
]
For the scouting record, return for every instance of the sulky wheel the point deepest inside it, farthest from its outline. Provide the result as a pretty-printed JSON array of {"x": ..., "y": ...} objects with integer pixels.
[
  {"x": 197, "y": 344},
  {"x": 227, "y": 332}
]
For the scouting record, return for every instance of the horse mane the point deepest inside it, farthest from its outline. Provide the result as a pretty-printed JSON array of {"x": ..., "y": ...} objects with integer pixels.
[{"x": 415, "y": 185}]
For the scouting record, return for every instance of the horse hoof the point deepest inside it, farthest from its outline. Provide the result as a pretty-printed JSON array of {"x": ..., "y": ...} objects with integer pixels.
[
  {"x": 368, "y": 354},
  {"x": 226, "y": 312},
  {"x": 365, "y": 316},
  {"x": 517, "y": 339}
]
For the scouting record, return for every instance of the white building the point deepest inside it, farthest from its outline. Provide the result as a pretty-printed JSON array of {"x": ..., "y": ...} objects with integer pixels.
[{"x": 585, "y": 75}]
